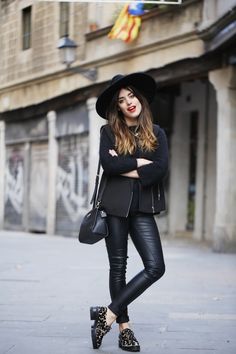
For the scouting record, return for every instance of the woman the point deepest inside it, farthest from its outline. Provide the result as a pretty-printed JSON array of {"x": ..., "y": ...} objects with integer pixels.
[{"x": 134, "y": 157}]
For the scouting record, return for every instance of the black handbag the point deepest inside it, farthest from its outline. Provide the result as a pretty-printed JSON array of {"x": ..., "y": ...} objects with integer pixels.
[{"x": 94, "y": 225}]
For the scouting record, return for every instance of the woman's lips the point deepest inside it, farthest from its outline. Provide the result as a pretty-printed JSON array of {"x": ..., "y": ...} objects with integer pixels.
[{"x": 131, "y": 109}]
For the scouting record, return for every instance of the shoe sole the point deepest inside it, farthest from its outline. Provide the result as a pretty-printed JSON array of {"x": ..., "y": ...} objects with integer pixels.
[
  {"x": 130, "y": 349},
  {"x": 94, "y": 313},
  {"x": 93, "y": 336},
  {"x": 94, "y": 316}
]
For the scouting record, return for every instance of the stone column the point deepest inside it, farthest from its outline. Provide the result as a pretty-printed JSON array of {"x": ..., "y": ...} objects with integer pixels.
[
  {"x": 202, "y": 98},
  {"x": 224, "y": 234},
  {"x": 52, "y": 172},
  {"x": 179, "y": 167},
  {"x": 95, "y": 123},
  {"x": 2, "y": 171}
]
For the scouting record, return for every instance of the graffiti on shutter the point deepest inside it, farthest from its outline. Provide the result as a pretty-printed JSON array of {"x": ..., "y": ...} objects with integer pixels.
[
  {"x": 72, "y": 183},
  {"x": 38, "y": 187},
  {"x": 14, "y": 187}
]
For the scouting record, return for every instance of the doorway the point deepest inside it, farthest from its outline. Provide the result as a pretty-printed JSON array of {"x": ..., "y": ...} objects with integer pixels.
[{"x": 193, "y": 142}]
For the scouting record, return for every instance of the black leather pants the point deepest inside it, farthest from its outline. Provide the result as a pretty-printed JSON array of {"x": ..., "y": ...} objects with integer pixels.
[{"x": 145, "y": 236}]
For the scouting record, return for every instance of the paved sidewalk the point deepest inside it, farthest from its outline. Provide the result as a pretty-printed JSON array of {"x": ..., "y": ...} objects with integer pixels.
[{"x": 48, "y": 283}]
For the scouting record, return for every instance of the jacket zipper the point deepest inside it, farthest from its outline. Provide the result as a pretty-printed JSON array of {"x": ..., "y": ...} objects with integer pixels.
[
  {"x": 152, "y": 201},
  {"x": 158, "y": 192},
  {"x": 129, "y": 204}
]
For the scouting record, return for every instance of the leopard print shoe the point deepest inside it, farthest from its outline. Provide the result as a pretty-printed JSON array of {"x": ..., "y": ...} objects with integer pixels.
[
  {"x": 127, "y": 341},
  {"x": 100, "y": 327}
]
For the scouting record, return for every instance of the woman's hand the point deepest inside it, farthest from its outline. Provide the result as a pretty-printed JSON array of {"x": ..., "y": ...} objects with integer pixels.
[
  {"x": 142, "y": 162},
  {"x": 112, "y": 152},
  {"x": 131, "y": 174}
]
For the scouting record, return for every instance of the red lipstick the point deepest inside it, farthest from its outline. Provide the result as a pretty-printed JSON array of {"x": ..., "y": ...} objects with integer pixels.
[{"x": 132, "y": 109}]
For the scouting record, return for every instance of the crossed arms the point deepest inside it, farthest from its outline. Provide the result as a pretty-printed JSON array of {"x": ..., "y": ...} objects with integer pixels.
[
  {"x": 148, "y": 171},
  {"x": 133, "y": 173}
]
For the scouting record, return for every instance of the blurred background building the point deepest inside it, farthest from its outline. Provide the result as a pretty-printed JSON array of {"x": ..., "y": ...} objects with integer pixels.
[{"x": 49, "y": 129}]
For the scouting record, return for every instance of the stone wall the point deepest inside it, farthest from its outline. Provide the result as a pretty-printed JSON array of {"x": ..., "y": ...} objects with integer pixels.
[
  {"x": 102, "y": 15},
  {"x": 42, "y": 58},
  {"x": 35, "y": 75},
  {"x": 214, "y": 9}
]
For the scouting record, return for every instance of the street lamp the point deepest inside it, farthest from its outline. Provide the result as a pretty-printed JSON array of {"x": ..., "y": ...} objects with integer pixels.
[{"x": 67, "y": 53}]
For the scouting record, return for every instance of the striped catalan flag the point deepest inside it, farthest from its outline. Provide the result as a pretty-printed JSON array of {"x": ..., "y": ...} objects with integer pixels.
[{"x": 126, "y": 26}]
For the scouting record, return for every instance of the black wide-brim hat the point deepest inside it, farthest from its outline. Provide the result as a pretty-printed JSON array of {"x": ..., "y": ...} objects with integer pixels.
[{"x": 145, "y": 84}]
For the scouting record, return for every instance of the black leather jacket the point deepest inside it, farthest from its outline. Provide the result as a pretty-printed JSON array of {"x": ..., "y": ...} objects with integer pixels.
[{"x": 118, "y": 190}]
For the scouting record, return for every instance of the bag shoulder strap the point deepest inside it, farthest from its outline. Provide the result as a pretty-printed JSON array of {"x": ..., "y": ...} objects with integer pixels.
[{"x": 94, "y": 196}]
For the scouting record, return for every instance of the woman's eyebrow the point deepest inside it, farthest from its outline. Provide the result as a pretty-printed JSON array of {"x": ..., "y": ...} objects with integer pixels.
[{"x": 130, "y": 93}]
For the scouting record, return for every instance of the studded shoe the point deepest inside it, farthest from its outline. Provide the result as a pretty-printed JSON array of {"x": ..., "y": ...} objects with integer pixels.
[
  {"x": 100, "y": 326},
  {"x": 127, "y": 341}
]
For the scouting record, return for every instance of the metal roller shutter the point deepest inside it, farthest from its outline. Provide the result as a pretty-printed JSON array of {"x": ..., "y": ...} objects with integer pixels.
[
  {"x": 72, "y": 183},
  {"x": 38, "y": 195},
  {"x": 14, "y": 187}
]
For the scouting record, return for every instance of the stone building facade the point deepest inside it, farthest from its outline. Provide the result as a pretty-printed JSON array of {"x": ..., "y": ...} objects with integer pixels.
[{"x": 49, "y": 130}]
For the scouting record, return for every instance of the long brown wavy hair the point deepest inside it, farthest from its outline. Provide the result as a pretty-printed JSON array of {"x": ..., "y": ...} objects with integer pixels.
[{"x": 124, "y": 139}]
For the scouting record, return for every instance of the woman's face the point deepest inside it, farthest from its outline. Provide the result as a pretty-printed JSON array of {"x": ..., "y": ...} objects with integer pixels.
[{"x": 129, "y": 105}]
